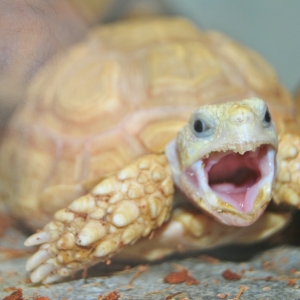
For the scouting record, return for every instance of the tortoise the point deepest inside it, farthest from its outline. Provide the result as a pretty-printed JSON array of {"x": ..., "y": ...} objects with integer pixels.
[{"x": 112, "y": 125}]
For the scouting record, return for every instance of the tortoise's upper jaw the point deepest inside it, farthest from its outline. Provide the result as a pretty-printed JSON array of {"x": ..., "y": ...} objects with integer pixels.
[{"x": 224, "y": 160}]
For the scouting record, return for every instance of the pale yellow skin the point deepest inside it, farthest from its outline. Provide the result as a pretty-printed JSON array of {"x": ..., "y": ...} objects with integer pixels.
[
  {"x": 124, "y": 92},
  {"x": 237, "y": 127}
]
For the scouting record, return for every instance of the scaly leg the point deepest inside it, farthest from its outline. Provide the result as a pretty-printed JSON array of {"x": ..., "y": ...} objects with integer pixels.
[
  {"x": 117, "y": 212},
  {"x": 287, "y": 186}
]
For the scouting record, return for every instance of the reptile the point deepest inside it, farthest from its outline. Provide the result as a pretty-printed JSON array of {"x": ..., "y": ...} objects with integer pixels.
[{"x": 146, "y": 137}]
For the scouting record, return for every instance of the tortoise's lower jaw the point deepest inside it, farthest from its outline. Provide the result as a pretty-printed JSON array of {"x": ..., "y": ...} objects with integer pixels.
[{"x": 234, "y": 188}]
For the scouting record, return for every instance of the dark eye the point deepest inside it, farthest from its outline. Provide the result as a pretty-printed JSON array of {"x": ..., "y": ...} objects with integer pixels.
[
  {"x": 199, "y": 126},
  {"x": 201, "y": 129},
  {"x": 267, "y": 117}
]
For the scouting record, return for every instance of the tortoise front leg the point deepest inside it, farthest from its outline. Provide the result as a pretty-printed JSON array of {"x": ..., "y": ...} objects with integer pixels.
[
  {"x": 117, "y": 212},
  {"x": 287, "y": 186}
]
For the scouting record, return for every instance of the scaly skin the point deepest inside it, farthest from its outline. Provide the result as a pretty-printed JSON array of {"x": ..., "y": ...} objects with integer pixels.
[
  {"x": 230, "y": 128},
  {"x": 118, "y": 211},
  {"x": 129, "y": 205},
  {"x": 286, "y": 190},
  {"x": 123, "y": 92}
]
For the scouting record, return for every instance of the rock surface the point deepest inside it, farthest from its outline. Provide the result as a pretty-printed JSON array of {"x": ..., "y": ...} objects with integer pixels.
[{"x": 272, "y": 274}]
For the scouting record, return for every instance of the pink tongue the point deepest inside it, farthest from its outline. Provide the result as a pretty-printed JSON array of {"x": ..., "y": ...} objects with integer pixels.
[
  {"x": 232, "y": 176},
  {"x": 230, "y": 194}
]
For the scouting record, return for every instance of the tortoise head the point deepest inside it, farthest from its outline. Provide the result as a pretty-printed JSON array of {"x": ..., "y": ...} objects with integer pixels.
[{"x": 223, "y": 159}]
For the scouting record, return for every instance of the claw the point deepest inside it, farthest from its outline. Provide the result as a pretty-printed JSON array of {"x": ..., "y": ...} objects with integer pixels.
[
  {"x": 41, "y": 272},
  {"x": 90, "y": 233},
  {"x": 37, "y": 239},
  {"x": 38, "y": 258},
  {"x": 95, "y": 227}
]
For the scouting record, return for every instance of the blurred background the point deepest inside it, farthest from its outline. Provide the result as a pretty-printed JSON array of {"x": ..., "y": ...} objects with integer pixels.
[
  {"x": 271, "y": 27},
  {"x": 32, "y": 31}
]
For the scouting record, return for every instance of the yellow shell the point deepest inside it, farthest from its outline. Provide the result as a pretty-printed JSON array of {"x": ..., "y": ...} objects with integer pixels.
[{"x": 122, "y": 92}]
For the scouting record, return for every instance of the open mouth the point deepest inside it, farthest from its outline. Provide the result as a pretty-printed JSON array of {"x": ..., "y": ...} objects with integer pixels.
[{"x": 234, "y": 178}]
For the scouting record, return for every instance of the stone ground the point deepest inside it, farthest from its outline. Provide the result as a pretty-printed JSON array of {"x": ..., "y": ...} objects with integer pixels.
[{"x": 270, "y": 274}]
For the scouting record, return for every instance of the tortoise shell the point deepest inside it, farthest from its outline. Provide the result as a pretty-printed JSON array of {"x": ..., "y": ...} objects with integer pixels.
[{"x": 123, "y": 92}]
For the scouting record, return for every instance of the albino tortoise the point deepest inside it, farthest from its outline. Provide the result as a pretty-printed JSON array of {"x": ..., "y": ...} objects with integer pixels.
[{"x": 111, "y": 124}]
